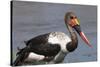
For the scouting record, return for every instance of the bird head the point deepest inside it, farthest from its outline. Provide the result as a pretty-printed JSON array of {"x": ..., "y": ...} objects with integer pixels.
[{"x": 72, "y": 21}]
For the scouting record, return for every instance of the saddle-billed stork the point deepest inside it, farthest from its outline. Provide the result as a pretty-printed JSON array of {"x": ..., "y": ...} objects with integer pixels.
[{"x": 52, "y": 47}]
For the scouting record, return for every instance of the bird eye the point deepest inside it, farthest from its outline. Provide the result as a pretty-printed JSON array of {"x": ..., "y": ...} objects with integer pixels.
[{"x": 71, "y": 17}]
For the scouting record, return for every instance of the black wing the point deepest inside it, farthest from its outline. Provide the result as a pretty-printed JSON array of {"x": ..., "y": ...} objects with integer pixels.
[
  {"x": 38, "y": 39},
  {"x": 40, "y": 45}
]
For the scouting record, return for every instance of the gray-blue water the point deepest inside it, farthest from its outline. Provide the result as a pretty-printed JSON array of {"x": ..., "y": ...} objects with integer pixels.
[{"x": 33, "y": 18}]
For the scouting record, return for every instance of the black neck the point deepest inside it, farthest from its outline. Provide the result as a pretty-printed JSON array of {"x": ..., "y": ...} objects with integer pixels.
[{"x": 73, "y": 44}]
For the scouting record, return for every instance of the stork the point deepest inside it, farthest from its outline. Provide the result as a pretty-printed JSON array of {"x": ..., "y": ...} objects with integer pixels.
[{"x": 52, "y": 47}]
